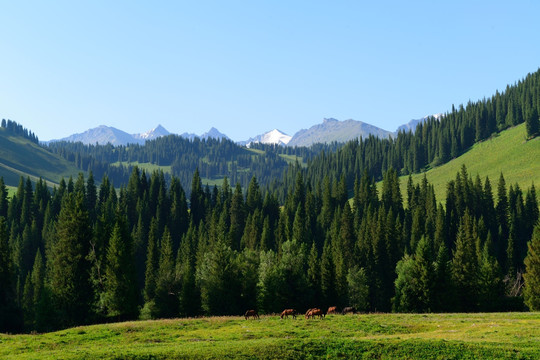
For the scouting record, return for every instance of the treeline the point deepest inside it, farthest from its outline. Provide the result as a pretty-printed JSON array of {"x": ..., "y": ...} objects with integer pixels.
[
  {"x": 436, "y": 141},
  {"x": 79, "y": 254},
  {"x": 14, "y": 128},
  {"x": 433, "y": 143},
  {"x": 214, "y": 158}
]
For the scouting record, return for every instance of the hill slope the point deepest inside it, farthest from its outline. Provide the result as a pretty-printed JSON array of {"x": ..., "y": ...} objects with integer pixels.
[
  {"x": 410, "y": 336},
  {"x": 21, "y": 157},
  {"x": 508, "y": 153}
]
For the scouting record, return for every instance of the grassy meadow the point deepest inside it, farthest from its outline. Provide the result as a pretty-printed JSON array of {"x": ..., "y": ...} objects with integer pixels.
[
  {"x": 374, "y": 336},
  {"x": 507, "y": 152}
]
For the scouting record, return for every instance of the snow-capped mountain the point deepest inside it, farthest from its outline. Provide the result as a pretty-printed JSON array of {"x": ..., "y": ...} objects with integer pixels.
[
  {"x": 270, "y": 137},
  {"x": 411, "y": 125},
  {"x": 156, "y": 132}
]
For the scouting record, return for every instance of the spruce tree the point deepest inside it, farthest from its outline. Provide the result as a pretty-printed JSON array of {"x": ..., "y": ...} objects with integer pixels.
[
  {"x": 531, "y": 292},
  {"x": 120, "y": 290},
  {"x": 532, "y": 122},
  {"x": 10, "y": 315},
  {"x": 166, "y": 293},
  {"x": 68, "y": 264},
  {"x": 490, "y": 282},
  {"x": 465, "y": 266},
  {"x": 152, "y": 257}
]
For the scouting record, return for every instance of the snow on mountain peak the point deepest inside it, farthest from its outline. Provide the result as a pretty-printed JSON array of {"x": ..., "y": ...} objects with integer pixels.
[
  {"x": 156, "y": 132},
  {"x": 270, "y": 137}
]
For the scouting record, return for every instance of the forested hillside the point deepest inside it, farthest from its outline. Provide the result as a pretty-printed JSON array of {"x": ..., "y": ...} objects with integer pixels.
[
  {"x": 214, "y": 158},
  {"x": 80, "y": 254},
  {"x": 21, "y": 155},
  {"x": 436, "y": 141}
]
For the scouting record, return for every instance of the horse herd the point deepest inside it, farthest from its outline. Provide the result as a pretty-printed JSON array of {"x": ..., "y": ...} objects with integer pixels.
[{"x": 311, "y": 313}]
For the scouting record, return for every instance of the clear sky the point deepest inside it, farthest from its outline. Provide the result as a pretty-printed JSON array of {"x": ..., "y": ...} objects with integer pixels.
[{"x": 246, "y": 67}]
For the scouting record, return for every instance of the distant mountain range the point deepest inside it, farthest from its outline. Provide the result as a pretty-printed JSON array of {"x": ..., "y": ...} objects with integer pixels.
[
  {"x": 107, "y": 134},
  {"x": 333, "y": 130},
  {"x": 329, "y": 131}
]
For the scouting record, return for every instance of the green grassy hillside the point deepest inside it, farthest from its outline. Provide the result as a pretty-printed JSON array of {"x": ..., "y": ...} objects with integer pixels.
[
  {"x": 21, "y": 157},
  {"x": 508, "y": 152},
  {"x": 403, "y": 336}
]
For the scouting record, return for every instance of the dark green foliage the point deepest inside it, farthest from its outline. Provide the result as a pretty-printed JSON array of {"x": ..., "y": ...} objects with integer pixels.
[
  {"x": 532, "y": 273},
  {"x": 532, "y": 121},
  {"x": 120, "y": 287},
  {"x": 68, "y": 273},
  {"x": 465, "y": 266}
]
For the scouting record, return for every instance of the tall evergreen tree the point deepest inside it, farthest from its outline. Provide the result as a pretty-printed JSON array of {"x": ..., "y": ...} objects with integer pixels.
[
  {"x": 465, "y": 266},
  {"x": 531, "y": 291},
  {"x": 68, "y": 266},
  {"x": 120, "y": 290},
  {"x": 166, "y": 298},
  {"x": 532, "y": 122}
]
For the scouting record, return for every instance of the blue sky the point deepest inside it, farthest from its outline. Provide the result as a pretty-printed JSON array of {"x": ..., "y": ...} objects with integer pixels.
[{"x": 246, "y": 67}]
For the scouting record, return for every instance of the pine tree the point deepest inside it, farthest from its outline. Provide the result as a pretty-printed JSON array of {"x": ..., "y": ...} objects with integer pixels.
[
  {"x": 189, "y": 297},
  {"x": 443, "y": 289},
  {"x": 490, "y": 282},
  {"x": 120, "y": 290},
  {"x": 314, "y": 273},
  {"x": 465, "y": 266},
  {"x": 68, "y": 267},
  {"x": 166, "y": 297},
  {"x": 328, "y": 279},
  {"x": 531, "y": 292},
  {"x": 358, "y": 288},
  {"x": 532, "y": 122},
  {"x": 238, "y": 217},
  {"x": 10, "y": 315}
]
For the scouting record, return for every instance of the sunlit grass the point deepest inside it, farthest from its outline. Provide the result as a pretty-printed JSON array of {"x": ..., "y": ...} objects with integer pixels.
[
  {"x": 509, "y": 152},
  {"x": 498, "y": 335}
]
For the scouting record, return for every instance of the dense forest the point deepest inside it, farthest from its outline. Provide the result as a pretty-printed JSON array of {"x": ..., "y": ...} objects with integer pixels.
[
  {"x": 214, "y": 159},
  {"x": 81, "y": 253}
]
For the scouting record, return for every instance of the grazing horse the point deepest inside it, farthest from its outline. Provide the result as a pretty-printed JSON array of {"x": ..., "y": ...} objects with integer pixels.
[
  {"x": 285, "y": 313},
  {"x": 317, "y": 312},
  {"x": 251, "y": 313},
  {"x": 332, "y": 310},
  {"x": 349, "y": 309},
  {"x": 311, "y": 313}
]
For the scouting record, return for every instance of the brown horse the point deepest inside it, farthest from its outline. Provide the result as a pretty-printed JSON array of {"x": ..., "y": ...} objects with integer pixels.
[
  {"x": 311, "y": 313},
  {"x": 252, "y": 313},
  {"x": 317, "y": 312},
  {"x": 332, "y": 310},
  {"x": 285, "y": 313}
]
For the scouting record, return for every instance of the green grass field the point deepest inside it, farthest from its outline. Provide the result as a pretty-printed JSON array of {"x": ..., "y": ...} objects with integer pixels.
[
  {"x": 377, "y": 336},
  {"x": 20, "y": 157},
  {"x": 508, "y": 152}
]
